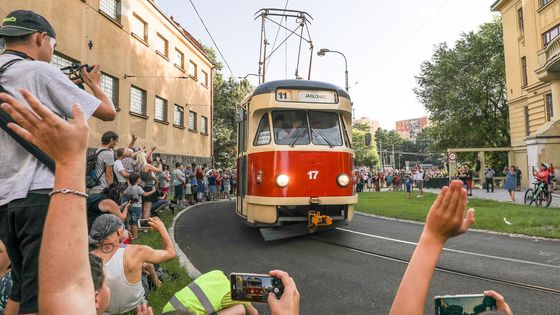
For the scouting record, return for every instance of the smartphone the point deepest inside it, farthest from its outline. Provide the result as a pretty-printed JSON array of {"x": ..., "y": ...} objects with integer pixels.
[
  {"x": 468, "y": 304},
  {"x": 143, "y": 224},
  {"x": 254, "y": 287}
]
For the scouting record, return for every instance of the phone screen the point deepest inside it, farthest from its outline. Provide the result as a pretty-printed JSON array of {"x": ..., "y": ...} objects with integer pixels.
[
  {"x": 254, "y": 287},
  {"x": 143, "y": 223},
  {"x": 470, "y": 304}
]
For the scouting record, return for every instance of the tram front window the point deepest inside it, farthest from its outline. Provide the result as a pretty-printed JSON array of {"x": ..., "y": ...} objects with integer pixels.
[
  {"x": 290, "y": 127},
  {"x": 325, "y": 129}
]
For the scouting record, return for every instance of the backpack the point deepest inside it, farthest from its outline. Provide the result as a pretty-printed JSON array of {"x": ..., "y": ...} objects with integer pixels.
[{"x": 92, "y": 179}]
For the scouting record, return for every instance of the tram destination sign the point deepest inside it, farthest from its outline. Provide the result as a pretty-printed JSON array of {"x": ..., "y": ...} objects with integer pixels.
[{"x": 306, "y": 96}]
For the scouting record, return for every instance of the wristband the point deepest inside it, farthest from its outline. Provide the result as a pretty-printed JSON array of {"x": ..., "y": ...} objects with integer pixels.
[{"x": 68, "y": 191}]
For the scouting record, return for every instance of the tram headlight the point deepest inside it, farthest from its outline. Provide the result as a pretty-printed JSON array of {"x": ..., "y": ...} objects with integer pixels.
[
  {"x": 343, "y": 180},
  {"x": 282, "y": 180}
]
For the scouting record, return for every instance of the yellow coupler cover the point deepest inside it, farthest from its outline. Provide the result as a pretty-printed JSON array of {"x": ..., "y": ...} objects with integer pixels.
[{"x": 215, "y": 285}]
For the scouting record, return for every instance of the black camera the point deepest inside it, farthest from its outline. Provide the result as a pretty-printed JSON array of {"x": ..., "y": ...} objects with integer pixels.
[
  {"x": 74, "y": 72},
  {"x": 134, "y": 200}
]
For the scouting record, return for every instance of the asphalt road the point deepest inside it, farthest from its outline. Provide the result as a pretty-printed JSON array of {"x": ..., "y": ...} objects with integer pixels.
[{"x": 335, "y": 279}]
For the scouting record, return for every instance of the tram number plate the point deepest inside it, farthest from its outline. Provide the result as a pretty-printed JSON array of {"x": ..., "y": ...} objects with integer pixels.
[
  {"x": 312, "y": 174},
  {"x": 306, "y": 96}
]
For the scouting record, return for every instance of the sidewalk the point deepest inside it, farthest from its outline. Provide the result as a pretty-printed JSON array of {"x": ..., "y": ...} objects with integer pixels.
[{"x": 501, "y": 195}]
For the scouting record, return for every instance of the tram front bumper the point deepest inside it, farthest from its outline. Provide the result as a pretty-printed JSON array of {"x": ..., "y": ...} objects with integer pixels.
[{"x": 265, "y": 211}]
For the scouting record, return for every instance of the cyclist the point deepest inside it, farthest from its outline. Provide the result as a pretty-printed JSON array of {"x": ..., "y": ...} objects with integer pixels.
[{"x": 542, "y": 175}]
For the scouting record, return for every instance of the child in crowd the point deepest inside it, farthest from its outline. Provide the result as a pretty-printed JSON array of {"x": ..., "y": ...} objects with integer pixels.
[
  {"x": 408, "y": 185},
  {"x": 128, "y": 162},
  {"x": 135, "y": 193}
]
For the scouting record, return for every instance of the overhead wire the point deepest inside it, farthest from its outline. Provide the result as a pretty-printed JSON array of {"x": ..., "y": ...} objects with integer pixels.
[
  {"x": 401, "y": 44},
  {"x": 212, "y": 38}
]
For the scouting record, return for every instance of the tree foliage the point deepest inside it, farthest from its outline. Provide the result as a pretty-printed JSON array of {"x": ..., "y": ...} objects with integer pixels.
[
  {"x": 364, "y": 155},
  {"x": 227, "y": 94},
  {"x": 463, "y": 88}
]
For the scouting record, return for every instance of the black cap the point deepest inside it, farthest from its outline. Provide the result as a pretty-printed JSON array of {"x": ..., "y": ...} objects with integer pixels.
[{"x": 25, "y": 22}]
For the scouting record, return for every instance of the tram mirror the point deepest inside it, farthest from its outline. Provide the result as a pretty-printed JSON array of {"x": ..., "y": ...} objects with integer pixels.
[
  {"x": 239, "y": 114},
  {"x": 367, "y": 139}
]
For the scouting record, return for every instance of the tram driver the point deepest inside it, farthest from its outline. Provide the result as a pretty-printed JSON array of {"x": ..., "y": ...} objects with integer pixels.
[{"x": 283, "y": 135}]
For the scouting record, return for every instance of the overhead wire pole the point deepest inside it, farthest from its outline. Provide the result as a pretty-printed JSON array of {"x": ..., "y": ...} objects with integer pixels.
[{"x": 265, "y": 15}]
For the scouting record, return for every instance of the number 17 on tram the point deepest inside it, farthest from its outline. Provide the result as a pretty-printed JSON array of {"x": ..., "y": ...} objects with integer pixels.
[{"x": 295, "y": 158}]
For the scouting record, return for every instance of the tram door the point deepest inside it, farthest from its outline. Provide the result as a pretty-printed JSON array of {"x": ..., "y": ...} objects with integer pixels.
[{"x": 242, "y": 172}]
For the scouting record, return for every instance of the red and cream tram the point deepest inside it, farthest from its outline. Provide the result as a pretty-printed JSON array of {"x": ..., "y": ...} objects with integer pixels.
[{"x": 294, "y": 158}]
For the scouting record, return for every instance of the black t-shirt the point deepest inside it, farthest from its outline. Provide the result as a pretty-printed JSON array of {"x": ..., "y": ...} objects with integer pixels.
[{"x": 93, "y": 207}]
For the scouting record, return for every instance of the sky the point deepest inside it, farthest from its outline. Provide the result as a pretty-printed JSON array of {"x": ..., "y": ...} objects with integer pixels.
[{"x": 385, "y": 42}]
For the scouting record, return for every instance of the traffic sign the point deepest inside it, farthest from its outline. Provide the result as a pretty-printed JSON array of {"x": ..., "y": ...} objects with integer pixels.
[{"x": 452, "y": 157}]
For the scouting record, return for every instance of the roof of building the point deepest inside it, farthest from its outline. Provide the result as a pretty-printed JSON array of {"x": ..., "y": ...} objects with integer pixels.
[{"x": 271, "y": 86}]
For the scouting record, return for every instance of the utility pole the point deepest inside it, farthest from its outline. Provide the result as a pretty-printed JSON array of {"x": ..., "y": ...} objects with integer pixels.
[
  {"x": 381, "y": 154},
  {"x": 393, "y": 155}
]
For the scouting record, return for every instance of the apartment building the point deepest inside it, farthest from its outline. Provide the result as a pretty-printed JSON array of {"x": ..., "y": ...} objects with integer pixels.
[
  {"x": 410, "y": 128},
  {"x": 158, "y": 76}
]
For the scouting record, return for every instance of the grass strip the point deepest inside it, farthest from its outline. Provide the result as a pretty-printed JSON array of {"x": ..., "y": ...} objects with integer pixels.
[{"x": 489, "y": 215}]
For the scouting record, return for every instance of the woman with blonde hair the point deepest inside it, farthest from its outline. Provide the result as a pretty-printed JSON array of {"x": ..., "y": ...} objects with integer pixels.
[{"x": 148, "y": 178}]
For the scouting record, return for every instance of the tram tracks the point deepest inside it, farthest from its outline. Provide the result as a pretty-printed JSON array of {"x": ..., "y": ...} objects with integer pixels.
[{"x": 511, "y": 283}]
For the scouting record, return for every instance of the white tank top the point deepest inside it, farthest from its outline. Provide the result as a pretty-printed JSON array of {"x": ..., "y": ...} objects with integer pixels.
[{"x": 124, "y": 295}]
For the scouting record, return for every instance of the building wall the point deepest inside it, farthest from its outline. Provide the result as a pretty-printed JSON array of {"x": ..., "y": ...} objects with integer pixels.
[
  {"x": 409, "y": 128},
  {"x": 122, "y": 54},
  {"x": 532, "y": 127}
]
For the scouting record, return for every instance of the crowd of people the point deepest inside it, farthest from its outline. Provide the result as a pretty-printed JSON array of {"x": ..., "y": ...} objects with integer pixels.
[
  {"x": 84, "y": 265},
  {"x": 368, "y": 179}
]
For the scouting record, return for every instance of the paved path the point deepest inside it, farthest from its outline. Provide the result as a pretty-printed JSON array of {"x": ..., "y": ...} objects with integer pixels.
[{"x": 348, "y": 271}]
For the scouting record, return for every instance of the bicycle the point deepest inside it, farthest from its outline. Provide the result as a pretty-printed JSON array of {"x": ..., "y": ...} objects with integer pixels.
[{"x": 539, "y": 194}]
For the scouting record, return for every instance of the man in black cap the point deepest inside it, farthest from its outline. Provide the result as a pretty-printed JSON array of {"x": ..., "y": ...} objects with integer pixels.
[{"x": 30, "y": 41}]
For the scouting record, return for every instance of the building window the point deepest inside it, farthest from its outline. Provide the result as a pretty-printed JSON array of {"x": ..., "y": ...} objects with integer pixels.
[
  {"x": 551, "y": 34},
  {"x": 137, "y": 100},
  {"x": 520, "y": 21},
  {"x": 110, "y": 86},
  {"x": 204, "y": 78},
  {"x": 548, "y": 104},
  {"x": 60, "y": 61},
  {"x": 179, "y": 59},
  {"x": 204, "y": 125},
  {"x": 545, "y": 2},
  {"x": 178, "y": 116},
  {"x": 160, "y": 109},
  {"x": 192, "y": 121},
  {"x": 139, "y": 28},
  {"x": 523, "y": 71},
  {"x": 526, "y": 113},
  {"x": 112, "y": 8},
  {"x": 192, "y": 70},
  {"x": 162, "y": 45}
]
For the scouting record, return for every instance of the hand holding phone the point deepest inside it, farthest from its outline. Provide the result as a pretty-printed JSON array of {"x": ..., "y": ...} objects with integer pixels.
[
  {"x": 254, "y": 287},
  {"x": 144, "y": 223},
  {"x": 464, "y": 304}
]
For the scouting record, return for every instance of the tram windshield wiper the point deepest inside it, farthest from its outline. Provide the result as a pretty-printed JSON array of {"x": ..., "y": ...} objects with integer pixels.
[
  {"x": 300, "y": 134},
  {"x": 323, "y": 136}
]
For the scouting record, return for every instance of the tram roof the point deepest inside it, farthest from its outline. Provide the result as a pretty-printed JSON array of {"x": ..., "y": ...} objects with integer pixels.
[{"x": 270, "y": 87}]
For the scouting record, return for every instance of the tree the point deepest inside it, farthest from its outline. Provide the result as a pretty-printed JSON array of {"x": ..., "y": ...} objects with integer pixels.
[
  {"x": 364, "y": 155},
  {"x": 227, "y": 94},
  {"x": 464, "y": 90}
]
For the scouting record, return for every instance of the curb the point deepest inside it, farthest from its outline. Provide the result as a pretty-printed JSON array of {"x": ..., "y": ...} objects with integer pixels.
[{"x": 184, "y": 261}]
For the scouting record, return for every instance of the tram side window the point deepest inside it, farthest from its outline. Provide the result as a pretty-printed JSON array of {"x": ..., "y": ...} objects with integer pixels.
[
  {"x": 263, "y": 132},
  {"x": 290, "y": 127},
  {"x": 325, "y": 128}
]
